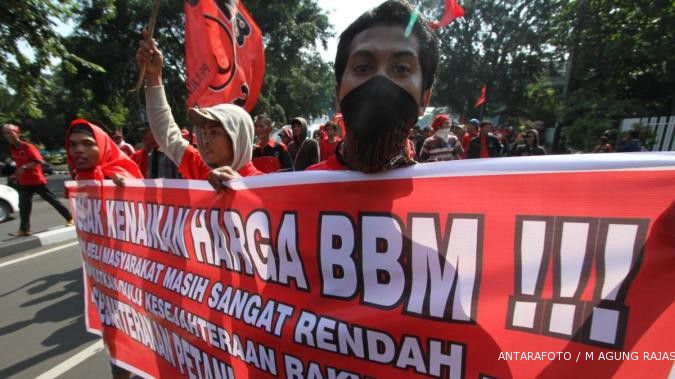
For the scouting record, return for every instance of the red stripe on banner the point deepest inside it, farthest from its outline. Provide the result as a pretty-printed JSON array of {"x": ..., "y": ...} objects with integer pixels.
[{"x": 543, "y": 274}]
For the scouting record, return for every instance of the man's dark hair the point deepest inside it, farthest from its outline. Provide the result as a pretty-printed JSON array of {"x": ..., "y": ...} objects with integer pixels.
[
  {"x": 392, "y": 13},
  {"x": 264, "y": 117},
  {"x": 485, "y": 123},
  {"x": 332, "y": 125}
]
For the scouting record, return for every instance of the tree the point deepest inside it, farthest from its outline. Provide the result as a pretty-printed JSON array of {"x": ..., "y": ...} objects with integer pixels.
[
  {"x": 504, "y": 44},
  {"x": 623, "y": 66},
  {"x": 297, "y": 81},
  {"x": 28, "y": 44}
]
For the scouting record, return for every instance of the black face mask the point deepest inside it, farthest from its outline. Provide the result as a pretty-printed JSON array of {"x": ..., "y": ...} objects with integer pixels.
[{"x": 378, "y": 115}]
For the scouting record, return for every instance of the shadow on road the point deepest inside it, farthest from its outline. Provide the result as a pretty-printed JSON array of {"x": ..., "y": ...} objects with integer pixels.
[{"x": 69, "y": 309}]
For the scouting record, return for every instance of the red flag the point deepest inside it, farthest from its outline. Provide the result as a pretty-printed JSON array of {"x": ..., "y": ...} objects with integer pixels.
[
  {"x": 483, "y": 96},
  {"x": 452, "y": 11},
  {"x": 224, "y": 54}
]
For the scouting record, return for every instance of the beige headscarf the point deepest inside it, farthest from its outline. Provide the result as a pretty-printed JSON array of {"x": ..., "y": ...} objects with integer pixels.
[{"x": 238, "y": 125}]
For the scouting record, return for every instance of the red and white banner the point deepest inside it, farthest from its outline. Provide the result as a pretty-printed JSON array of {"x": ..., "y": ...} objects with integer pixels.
[
  {"x": 556, "y": 267},
  {"x": 224, "y": 54}
]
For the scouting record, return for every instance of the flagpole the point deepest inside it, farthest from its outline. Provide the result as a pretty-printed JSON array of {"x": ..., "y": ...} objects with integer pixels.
[{"x": 482, "y": 111}]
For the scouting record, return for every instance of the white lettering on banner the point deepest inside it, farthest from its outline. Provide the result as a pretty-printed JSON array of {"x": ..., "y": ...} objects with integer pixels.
[
  {"x": 134, "y": 324},
  {"x": 336, "y": 256},
  {"x": 250, "y": 308},
  {"x": 185, "y": 283},
  {"x": 141, "y": 267},
  {"x": 444, "y": 267},
  {"x": 247, "y": 246},
  {"x": 296, "y": 369},
  {"x": 435, "y": 275},
  {"x": 571, "y": 245},
  {"x": 195, "y": 363},
  {"x": 437, "y": 358},
  {"x": 248, "y": 351},
  {"x": 88, "y": 215},
  {"x": 154, "y": 226}
]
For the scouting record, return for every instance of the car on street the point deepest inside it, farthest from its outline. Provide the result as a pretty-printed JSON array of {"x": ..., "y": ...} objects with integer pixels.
[{"x": 9, "y": 202}]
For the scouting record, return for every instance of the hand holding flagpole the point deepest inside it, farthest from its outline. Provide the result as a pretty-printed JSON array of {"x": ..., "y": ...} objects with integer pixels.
[{"x": 151, "y": 31}]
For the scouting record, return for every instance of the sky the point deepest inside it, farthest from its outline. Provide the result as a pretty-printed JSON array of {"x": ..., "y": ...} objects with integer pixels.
[{"x": 341, "y": 13}]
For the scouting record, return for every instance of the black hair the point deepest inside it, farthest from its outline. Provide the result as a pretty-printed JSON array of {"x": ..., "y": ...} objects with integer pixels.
[
  {"x": 392, "y": 13},
  {"x": 264, "y": 117}
]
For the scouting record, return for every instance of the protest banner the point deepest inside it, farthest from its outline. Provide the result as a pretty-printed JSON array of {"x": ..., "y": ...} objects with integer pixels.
[{"x": 557, "y": 266}]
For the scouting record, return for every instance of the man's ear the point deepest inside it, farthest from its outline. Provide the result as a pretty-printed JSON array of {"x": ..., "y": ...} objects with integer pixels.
[{"x": 426, "y": 98}]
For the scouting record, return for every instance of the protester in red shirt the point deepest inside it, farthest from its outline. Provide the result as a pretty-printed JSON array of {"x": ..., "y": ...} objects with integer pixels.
[
  {"x": 268, "y": 155},
  {"x": 30, "y": 179},
  {"x": 95, "y": 156},
  {"x": 224, "y": 131},
  {"x": 327, "y": 146},
  {"x": 384, "y": 77},
  {"x": 471, "y": 132},
  {"x": 485, "y": 145}
]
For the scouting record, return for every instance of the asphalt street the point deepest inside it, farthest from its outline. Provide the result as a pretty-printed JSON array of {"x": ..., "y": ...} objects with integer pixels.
[
  {"x": 44, "y": 216},
  {"x": 42, "y": 331}
]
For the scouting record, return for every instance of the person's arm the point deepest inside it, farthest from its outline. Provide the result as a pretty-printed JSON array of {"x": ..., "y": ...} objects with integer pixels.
[{"x": 163, "y": 126}]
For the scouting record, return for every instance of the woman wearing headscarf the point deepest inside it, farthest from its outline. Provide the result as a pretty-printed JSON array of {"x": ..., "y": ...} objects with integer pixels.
[
  {"x": 224, "y": 131},
  {"x": 92, "y": 154}
]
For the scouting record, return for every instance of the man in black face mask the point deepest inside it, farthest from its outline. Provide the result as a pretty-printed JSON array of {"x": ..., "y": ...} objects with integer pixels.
[{"x": 384, "y": 83}]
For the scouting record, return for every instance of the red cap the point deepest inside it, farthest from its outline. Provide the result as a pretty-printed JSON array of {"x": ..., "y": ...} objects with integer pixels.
[{"x": 439, "y": 120}]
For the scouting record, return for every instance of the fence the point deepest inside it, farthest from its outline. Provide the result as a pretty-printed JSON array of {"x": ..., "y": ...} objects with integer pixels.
[{"x": 663, "y": 128}]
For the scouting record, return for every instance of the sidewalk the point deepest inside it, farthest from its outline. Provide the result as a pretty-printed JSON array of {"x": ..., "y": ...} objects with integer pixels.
[{"x": 48, "y": 237}]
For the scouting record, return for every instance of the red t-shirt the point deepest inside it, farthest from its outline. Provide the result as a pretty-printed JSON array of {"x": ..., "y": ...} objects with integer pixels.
[
  {"x": 332, "y": 164},
  {"x": 484, "y": 152},
  {"x": 141, "y": 159},
  {"x": 193, "y": 167},
  {"x": 27, "y": 153},
  {"x": 328, "y": 149},
  {"x": 268, "y": 157}
]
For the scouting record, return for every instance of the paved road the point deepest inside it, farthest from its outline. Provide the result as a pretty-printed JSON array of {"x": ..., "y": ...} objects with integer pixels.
[
  {"x": 41, "y": 317},
  {"x": 43, "y": 217}
]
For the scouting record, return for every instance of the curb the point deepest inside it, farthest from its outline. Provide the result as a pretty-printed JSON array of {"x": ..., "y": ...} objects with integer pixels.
[{"x": 45, "y": 238}]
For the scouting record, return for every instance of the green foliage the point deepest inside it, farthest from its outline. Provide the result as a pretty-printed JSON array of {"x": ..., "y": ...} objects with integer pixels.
[
  {"x": 499, "y": 43},
  {"x": 623, "y": 62},
  {"x": 297, "y": 81}
]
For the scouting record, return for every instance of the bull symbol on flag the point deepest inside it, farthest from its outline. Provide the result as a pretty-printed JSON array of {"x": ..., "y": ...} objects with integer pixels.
[{"x": 224, "y": 53}]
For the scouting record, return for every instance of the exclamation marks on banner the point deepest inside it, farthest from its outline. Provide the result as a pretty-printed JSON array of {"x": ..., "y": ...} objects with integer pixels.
[
  {"x": 578, "y": 249},
  {"x": 618, "y": 258},
  {"x": 573, "y": 249},
  {"x": 533, "y": 239}
]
